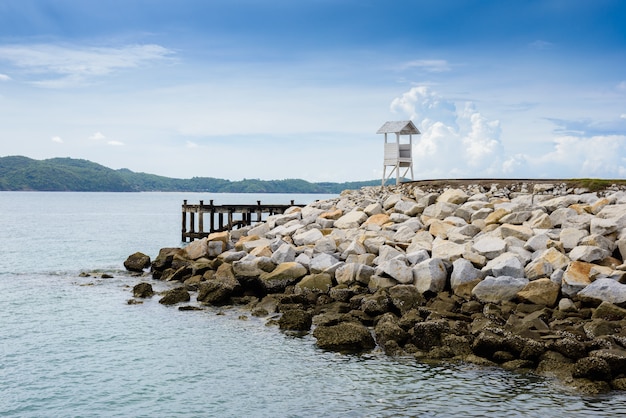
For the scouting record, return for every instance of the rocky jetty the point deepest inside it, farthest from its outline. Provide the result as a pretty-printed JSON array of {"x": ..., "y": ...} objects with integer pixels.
[{"x": 528, "y": 276}]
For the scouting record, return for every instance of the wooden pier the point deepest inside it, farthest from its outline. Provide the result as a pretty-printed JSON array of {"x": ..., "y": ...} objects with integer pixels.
[{"x": 224, "y": 217}]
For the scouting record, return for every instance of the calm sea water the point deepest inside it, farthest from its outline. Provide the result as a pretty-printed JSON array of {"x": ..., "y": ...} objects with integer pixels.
[{"x": 71, "y": 346}]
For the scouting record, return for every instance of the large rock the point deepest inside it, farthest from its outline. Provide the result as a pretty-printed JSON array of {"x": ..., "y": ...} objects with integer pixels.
[
  {"x": 350, "y": 273},
  {"x": 447, "y": 250},
  {"x": 314, "y": 283},
  {"x": 407, "y": 207},
  {"x": 588, "y": 253},
  {"x": 521, "y": 232},
  {"x": 251, "y": 266},
  {"x": 143, "y": 290},
  {"x": 351, "y": 219},
  {"x": 464, "y": 277},
  {"x": 557, "y": 259},
  {"x": 309, "y": 237},
  {"x": 345, "y": 336},
  {"x": 398, "y": 270},
  {"x": 283, "y": 275},
  {"x": 490, "y": 247},
  {"x": 174, "y": 296},
  {"x": 576, "y": 278},
  {"x": 604, "y": 290},
  {"x": 284, "y": 254},
  {"x": 137, "y": 262},
  {"x": 219, "y": 288},
  {"x": 537, "y": 269},
  {"x": 540, "y": 292},
  {"x": 324, "y": 263},
  {"x": 295, "y": 320},
  {"x": 455, "y": 196},
  {"x": 507, "y": 264},
  {"x": 570, "y": 237},
  {"x": 405, "y": 297},
  {"x": 325, "y": 245},
  {"x": 498, "y": 289},
  {"x": 430, "y": 276}
]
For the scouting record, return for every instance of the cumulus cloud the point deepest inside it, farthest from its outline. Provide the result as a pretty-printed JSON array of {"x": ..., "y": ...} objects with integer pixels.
[
  {"x": 64, "y": 65},
  {"x": 457, "y": 140},
  {"x": 98, "y": 136},
  {"x": 595, "y": 156},
  {"x": 4, "y": 77},
  {"x": 454, "y": 142},
  {"x": 57, "y": 139}
]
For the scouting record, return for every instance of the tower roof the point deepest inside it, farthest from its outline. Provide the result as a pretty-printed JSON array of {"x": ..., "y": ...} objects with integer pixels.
[{"x": 402, "y": 127}]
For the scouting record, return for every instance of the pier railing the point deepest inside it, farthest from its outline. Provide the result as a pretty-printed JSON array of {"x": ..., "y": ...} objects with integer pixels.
[{"x": 224, "y": 217}]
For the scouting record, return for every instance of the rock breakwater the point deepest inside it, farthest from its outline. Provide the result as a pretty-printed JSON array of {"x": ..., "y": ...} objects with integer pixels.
[{"x": 528, "y": 276}]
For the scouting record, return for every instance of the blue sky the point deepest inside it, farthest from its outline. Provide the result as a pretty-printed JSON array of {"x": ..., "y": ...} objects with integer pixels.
[{"x": 297, "y": 89}]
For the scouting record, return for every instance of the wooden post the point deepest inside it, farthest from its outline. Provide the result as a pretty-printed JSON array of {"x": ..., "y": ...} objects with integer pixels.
[
  {"x": 201, "y": 217},
  {"x": 184, "y": 229},
  {"x": 212, "y": 229}
]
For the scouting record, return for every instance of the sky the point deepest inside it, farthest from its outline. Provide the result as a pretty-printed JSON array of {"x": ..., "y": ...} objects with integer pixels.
[{"x": 282, "y": 89}]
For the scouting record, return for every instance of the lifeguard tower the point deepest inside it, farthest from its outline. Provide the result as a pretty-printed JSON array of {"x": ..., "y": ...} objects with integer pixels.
[{"x": 398, "y": 155}]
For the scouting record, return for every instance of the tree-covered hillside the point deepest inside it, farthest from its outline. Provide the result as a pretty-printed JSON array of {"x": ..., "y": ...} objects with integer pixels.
[{"x": 67, "y": 174}]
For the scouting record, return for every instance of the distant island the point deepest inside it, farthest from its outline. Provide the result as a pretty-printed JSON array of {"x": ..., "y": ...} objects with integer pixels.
[{"x": 18, "y": 173}]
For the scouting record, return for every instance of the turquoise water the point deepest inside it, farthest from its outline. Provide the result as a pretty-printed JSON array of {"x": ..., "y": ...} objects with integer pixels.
[{"x": 71, "y": 346}]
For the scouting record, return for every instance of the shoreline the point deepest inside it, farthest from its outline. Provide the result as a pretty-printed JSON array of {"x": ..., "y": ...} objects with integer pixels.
[{"x": 524, "y": 275}]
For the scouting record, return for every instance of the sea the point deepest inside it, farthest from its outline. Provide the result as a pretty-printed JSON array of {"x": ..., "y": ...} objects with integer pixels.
[{"x": 72, "y": 346}]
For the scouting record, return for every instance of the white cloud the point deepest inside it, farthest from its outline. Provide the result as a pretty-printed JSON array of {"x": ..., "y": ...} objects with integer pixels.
[
  {"x": 57, "y": 139},
  {"x": 622, "y": 86},
  {"x": 433, "y": 66},
  {"x": 191, "y": 144},
  {"x": 115, "y": 143},
  {"x": 453, "y": 143},
  {"x": 98, "y": 136},
  {"x": 4, "y": 77},
  {"x": 459, "y": 141},
  {"x": 572, "y": 155},
  {"x": 61, "y": 66},
  {"x": 622, "y": 116}
]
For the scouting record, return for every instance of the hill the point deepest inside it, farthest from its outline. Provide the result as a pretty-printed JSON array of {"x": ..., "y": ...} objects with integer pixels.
[{"x": 18, "y": 173}]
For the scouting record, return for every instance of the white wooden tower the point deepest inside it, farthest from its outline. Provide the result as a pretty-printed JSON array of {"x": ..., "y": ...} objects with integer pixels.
[{"x": 398, "y": 155}]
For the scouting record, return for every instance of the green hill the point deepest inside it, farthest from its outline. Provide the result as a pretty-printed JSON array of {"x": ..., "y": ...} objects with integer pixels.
[{"x": 18, "y": 173}]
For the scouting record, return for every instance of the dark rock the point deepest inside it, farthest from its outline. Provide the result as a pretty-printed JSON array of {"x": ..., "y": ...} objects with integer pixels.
[
  {"x": 295, "y": 320},
  {"x": 180, "y": 275},
  {"x": 609, "y": 312},
  {"x": 376, "y": 304},
  {"x": 487, "y": 343},
  {"x": 174, "y": 296},
  {"x": 387, "y": 329},
  {"x": 615, "y": 358},
  {"x": 593, "y": 368},
  {"x": 137, "y": 262},
  {"x": 570, "y": 348},
  {"x": 220, "y": 288},
  {"x": 405, "y": 297},
  {"x": 164, "y": 259},
  {"x": 345, "y": 336},
  {"x": 409, "y": 319},
  {"x": 459, "y": 345},
  {"x": 189, "y": 308},
  {"x": 427, "y": 335},
  {"x": 143, "y": 290}
]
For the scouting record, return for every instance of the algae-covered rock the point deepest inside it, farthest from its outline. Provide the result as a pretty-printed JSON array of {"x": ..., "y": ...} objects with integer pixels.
[
  {"x": 137, "y": 262},
  {"x": 345, "y": 336}
]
